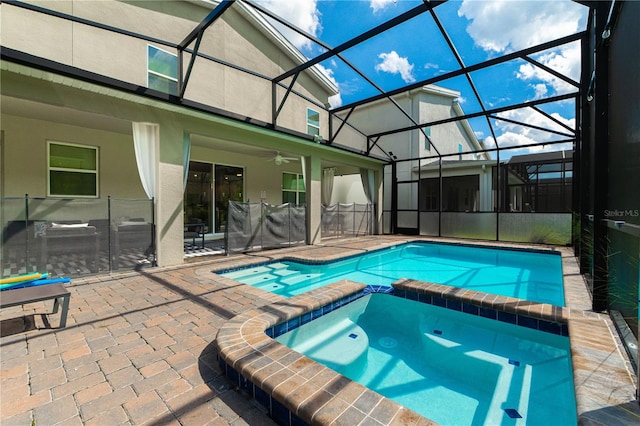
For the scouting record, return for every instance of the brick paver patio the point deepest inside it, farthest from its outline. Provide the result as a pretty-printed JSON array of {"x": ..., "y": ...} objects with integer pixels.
[{"x": 138, "y": 347}]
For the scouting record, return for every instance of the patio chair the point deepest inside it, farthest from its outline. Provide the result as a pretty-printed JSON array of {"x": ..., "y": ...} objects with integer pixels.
[{"x": 194, "y": 230}]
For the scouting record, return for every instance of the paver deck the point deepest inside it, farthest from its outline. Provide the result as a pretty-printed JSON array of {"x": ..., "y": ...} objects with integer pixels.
[{"x": 139, "y": 348}]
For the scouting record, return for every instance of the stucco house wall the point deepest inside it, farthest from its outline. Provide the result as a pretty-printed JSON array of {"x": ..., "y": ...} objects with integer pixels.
[
  {"x": 234, "y": 38},
  {"x": 40, "y": 104}
]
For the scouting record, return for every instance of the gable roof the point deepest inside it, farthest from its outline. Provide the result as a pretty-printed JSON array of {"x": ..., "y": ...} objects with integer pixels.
[{"x": 271, "y": 32}]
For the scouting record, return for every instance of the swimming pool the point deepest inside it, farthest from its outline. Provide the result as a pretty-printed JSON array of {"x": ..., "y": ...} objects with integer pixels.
[
  {"x": 524, "y": 274},
  {"x": 451, "y": 367}
]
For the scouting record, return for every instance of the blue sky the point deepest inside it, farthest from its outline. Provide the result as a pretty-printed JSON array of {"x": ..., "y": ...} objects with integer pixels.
[{"x": 414, "y": 51}]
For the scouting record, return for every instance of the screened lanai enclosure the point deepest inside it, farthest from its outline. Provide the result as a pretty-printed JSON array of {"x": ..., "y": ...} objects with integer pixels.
[{"x": 534, "y": 141}]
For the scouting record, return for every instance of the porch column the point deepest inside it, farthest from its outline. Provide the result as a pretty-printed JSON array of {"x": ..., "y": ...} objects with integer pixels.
[
  {"x": 313, "y": 185},
  {"x": 485, "y": 189},
  {"x": 169, "y": 211}
]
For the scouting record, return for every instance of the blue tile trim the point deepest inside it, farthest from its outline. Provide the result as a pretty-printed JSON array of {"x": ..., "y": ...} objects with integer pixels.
[
  {"x": 439, "y": 301},
  {"x": 262, "y": 397},
  {"x": 469, "y": 308},
  {"x": 280, "y": 413},
  {"x": 507, "y": 317},
  {"x": 294, "y": 323},
  {"x": 297, "y": 421},
  {"x": 488, "y": 313},
  {"x": 454, "y": 305}
]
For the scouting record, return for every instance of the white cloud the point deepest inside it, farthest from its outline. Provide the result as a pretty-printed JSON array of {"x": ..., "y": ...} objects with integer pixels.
[
  {"x": 430, "y": 65},
  {"x": 565, "y": 60},
  {"x": 335, "y": 100},
  {"x": 514, "y": 140},
  {"x": 514, "y": 135},
  {"x": 503, "y": 26},
  {"x": 395, "y": 64},
  {"x": 303, "y": 14},
  {"x": 378, "y": 5},
  {"x": 540, "y": 89},
  {"x": 508, "y": 25},
  {"x": 498, "y": 101}
]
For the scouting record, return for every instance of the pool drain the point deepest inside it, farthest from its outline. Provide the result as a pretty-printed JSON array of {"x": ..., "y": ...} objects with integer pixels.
[{"x": 388, "y": 342}]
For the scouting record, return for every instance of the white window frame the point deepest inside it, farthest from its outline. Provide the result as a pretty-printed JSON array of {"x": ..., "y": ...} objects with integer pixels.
[
  {"x": 313, "y": 125},
  {"x": 95, "y": 172},
  {"x": 149, "y": 71},
  {"x": 297, "y": 191}
]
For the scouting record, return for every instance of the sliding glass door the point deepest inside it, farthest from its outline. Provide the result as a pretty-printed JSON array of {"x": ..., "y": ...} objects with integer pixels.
[
  {"x": 198, "y": 196},
  {"x": 209, "y": 189},
  {"x": 229, "y": 187}
]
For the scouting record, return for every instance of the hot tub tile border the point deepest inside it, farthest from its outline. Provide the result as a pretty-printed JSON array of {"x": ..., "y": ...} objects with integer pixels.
[
  {"x": 259, "y": 370},
  {"x": 500, "y": 308}
]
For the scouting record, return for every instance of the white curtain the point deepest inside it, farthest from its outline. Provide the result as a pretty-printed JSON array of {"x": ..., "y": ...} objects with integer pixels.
[
  {"x": 186, "y": 156},
  {"x": 327, "y": 184},
  {"x": 146, "y": 137},
  {"x": 368, "y": 184}
]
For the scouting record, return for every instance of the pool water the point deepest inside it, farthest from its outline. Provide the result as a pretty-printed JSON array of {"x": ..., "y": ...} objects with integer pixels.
[
  {"x": 529, "y": 275},
  {"x": 451, "y": 367}
]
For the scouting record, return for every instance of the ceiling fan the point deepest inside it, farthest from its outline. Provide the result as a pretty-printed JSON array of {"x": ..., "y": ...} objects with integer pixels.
[{"x": 279, "y": 159}]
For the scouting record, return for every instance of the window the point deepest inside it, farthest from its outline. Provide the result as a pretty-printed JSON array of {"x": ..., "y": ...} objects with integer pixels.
[
  {"x": 162, "y": 70},
  {"x": 73, "y": 170},
  {"x": 459, "y": 151},
  {"x": 313, "y": 122},
  {"x": 427, "y": 142},
  {"x": 293, "y": 190}
]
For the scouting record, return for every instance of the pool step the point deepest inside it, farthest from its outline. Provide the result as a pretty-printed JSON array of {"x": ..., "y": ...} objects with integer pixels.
[
  {"x": 259, "y": 280},
  {"x": 247, "y": 273},
  {"x": 272, "y": 277},
  {"x": 298, "y": 278}
]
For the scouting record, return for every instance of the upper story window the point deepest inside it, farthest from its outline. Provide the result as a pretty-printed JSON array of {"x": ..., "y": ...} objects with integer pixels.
[
  {"x": 313, "y": 122},
  {"x": 72, "y": 170},
  {"x": 162, "y": 70},
  {"x": 293, "y": 190},
  {"x": 427, "y": 142}
]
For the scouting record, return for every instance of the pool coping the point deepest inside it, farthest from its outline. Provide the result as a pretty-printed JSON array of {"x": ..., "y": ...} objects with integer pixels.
[{"x": 296, "y": 390}]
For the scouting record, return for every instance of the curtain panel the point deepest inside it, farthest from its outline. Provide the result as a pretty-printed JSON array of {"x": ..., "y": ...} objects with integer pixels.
[
  {"x": 146, "y": 138},
  {"x": 327, "y": 184}
]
